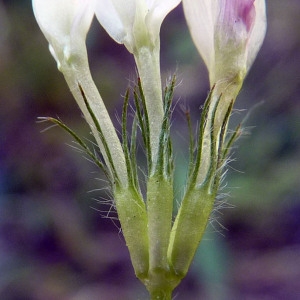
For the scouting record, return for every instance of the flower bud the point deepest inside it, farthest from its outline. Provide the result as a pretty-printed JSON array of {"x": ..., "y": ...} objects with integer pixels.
[
  {"x": 65, "y": 25},
  {"x": 134, "y": 23},
  {"x": 227, "y": 34}
]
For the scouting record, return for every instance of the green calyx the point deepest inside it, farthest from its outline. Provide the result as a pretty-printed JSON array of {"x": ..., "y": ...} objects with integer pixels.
[{"x": 162, "y": 250}]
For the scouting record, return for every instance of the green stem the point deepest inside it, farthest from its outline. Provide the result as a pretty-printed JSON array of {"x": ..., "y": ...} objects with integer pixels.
[
  {"x": 161, "y": 283},
  {"x": 163, "y": 294}
]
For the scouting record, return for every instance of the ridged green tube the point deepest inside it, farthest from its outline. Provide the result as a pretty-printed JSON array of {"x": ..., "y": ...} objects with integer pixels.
[
  {"x": 133, "y": 218},
  {"x": 188, "y": 229}
]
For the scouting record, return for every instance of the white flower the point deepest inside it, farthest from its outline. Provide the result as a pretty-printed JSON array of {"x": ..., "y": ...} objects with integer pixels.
[
  {"x": 227, "y": 33},
  {"x": 134, "y": 23},
  {"x": 65, "y": 24}
]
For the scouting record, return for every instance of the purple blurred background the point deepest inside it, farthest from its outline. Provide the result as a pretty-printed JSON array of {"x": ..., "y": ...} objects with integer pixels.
[{"x": 54, "y": 242}]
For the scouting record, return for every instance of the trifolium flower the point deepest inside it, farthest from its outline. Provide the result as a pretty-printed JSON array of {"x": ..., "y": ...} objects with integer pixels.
[
  {"x": 227, "y": 33},
  {"x": 65, "y": 25},
  {"x": 134, "y": 23}
]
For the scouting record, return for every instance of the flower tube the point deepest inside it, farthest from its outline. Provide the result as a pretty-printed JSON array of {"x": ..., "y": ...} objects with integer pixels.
[{"x": 136, "y": 24}]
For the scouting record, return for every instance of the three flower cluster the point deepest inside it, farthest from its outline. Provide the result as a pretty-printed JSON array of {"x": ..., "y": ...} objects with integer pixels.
[{"x": 228, "y": 35}]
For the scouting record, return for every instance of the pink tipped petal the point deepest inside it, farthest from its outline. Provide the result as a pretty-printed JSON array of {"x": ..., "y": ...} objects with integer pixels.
[
  {"x": 234, "y": 22},
  {"x": 234, "y": 12},
  {"x": 247, "y": 14},
  {"x": 222, "y": 29},
  {"x": 258, "y": 31}
]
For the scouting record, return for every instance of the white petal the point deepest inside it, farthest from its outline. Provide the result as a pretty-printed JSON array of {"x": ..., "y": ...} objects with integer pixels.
[
  {"x": 200, "y": 16},
  {"x": 116, "y": 17},
  {"x": 161, "y": 8},
  {"x": 258, "y": 32},
  {"x": 158, "y": 10},
  {"x": 65, "y": 23},
  {"x": 129, "y": 21}
]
